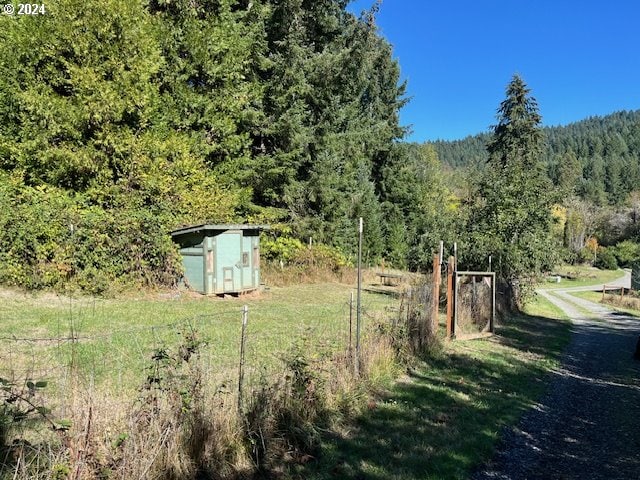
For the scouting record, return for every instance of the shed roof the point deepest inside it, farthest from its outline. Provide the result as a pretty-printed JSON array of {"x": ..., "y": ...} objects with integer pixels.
[{"x": 217, "y": 228}]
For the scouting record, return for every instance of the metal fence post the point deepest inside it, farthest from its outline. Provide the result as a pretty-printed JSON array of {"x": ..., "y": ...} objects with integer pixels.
[
  {"x": 350, "y": 321},
  {"x": 243, "y": 341},
  {"x": 358, "y": 300},
  {"x": 492, "y": 322}
]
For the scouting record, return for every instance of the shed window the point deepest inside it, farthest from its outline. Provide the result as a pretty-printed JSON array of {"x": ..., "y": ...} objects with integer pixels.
[{"x": 245, "y": 259}]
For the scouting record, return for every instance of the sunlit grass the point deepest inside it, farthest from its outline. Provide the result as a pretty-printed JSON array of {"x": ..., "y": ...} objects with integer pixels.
[
  {"x": 585, "y": 276},
  {"x": 596, "y": 297},
  {"x": 117, "y": 337},
  {"x": 445, "y": 418}
]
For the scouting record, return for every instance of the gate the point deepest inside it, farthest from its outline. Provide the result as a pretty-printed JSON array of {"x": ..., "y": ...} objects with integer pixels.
[{"x": 474, "y": 303}]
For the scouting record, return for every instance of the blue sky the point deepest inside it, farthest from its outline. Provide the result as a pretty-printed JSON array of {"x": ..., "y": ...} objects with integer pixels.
[{"x": 579, "y": 58}]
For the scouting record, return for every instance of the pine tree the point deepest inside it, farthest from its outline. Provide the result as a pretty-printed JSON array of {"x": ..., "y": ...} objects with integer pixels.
[{"x": 331, "y": 102}]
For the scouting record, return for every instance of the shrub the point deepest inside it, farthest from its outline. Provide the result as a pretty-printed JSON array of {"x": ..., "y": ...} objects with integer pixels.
[
  {"x": 50, "y": 238},
  {"x": 280, "y": 249},
  {"x": 322, "y": 256},
  {"x": 626, "y": 253},
  {"x": 606, "y": 260}
]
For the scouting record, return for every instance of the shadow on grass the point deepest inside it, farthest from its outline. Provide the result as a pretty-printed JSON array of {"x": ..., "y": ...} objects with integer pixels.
[{"x": 445, "y": 418}]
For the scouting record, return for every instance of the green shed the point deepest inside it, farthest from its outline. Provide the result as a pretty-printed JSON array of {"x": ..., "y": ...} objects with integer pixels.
[{"x": 220, "y": 259}]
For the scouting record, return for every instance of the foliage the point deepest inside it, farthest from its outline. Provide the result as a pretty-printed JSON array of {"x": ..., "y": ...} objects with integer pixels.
[
  {"x": 626, "y": 253},
  {"x": 133, "y": 122},
  {"x": 22, "y": 405},
  {"x": 419, "y": 209},
  {"x": 606, "y": 259},
  {"x": 51, "y": 237},
  {"x": 292, "y": 251},
  {"x": 331, "y": 104},
  {"x": 597, "y": 158},
  {"x": 282, "y": 248},
  {"x": 511, "y": 218},
  {"x": 322, "y": 256}
]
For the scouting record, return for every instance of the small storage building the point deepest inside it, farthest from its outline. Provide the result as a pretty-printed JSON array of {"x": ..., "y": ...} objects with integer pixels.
[{"x": 220, "y": 259}]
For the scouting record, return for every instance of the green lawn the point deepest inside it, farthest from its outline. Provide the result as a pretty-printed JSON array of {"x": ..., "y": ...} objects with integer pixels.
[
  {"x": 444, "y": 418},
  {"x": 585, "y": 276},
  {"x": 117, "y": 337}
]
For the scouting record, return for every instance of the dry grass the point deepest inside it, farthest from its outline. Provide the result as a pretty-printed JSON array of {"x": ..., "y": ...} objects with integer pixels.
[
  {"x": 274, "y": 275},
  {"x": 474, "y": 308},
  {"x": 629, "y": 300}
]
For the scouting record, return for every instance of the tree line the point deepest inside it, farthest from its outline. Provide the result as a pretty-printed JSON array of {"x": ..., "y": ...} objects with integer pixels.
[
  {"x": 120, "y": 122},
  {"x": 594, "y": 165},
  {"x": 597, "y": 159}
]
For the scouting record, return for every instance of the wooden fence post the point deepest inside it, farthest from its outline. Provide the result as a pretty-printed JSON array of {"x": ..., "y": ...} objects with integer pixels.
[
  {"x": 450, "y": 298},
  {"x": 436, "y": 294}
]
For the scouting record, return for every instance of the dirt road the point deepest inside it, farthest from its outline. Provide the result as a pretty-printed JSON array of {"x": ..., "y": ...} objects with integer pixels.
[{"x": 587, "y": 426}]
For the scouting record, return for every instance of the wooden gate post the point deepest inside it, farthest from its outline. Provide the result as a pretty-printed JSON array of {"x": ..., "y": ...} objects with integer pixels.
[
  {"x": 450, "y": 298},
  {"x": 436, "y": 294}
]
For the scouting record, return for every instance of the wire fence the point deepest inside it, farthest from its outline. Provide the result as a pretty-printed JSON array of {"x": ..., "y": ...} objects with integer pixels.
[
  {"x": 84, "y": 349},
  {"x": 474, "y": 304}
]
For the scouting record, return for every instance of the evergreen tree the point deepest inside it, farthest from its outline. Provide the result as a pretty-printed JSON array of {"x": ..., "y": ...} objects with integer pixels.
[
  {"x": 569, "y": 173},
  {"x": 86, "y": 130},
  {"x": 512, "y": 218},
  {"x": 418, "y": 206},
  {"x": 331, "y": 108}
]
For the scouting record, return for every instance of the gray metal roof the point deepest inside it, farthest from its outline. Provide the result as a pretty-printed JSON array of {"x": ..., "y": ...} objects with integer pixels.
[{"x": 218, "y": 228}]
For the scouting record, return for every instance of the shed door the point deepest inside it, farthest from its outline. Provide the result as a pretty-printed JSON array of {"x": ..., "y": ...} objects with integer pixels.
[
  {"x": 229, "y": 261},
  {"x": 193, "y": 268},
  {"x": 247, "y": 257}
]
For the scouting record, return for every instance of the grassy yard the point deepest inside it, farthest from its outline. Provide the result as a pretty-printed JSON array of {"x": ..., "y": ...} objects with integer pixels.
[
  {"x": 445, "y": 418},
  {"x": 584, "y": 276},
  {"x": 117, "y": 337},
  {"x": 439, "y": 421}
]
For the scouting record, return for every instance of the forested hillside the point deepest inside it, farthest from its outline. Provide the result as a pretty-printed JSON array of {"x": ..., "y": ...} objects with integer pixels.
[{"x": 598, "y": 158}]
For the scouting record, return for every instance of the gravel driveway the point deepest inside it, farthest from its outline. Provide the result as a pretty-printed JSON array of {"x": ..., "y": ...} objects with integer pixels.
[{"x": 587, "y": 426}]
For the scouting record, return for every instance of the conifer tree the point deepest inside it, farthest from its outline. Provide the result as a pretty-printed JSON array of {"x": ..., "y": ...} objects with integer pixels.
[{"x": 512, "y": 217}]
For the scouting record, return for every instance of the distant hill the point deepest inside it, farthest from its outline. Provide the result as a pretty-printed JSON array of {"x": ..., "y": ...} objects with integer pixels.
[{"x": 599, "y": 157}]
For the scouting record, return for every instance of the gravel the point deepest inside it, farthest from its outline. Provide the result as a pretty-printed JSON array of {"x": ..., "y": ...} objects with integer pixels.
[{"x": 587, "y": 426}]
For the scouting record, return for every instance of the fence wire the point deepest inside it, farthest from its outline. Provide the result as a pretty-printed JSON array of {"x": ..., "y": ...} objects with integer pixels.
[
  {"x": 474, "y": 304},
  {"x": 79, "y": 345}
]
